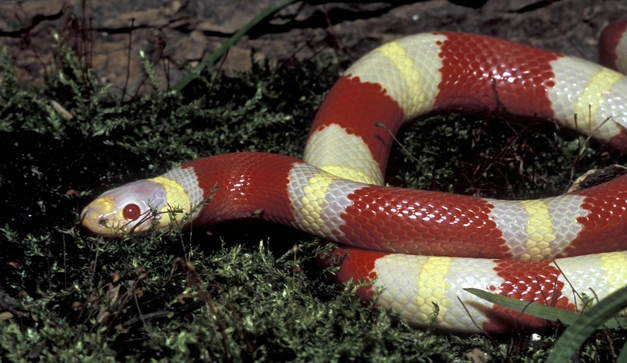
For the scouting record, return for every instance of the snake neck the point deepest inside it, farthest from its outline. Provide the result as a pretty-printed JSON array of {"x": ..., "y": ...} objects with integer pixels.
[{"x": 243, "y": 185}]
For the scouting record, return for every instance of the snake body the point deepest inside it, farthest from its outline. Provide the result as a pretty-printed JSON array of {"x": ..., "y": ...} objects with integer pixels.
[{"x": 422, "y": 247}]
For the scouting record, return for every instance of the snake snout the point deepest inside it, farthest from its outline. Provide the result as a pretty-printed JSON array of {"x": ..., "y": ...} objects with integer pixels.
[{"x": 99, "y": 216}]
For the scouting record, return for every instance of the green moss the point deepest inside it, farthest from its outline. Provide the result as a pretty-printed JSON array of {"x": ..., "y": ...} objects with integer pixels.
[{"x": 174, "y": 296}]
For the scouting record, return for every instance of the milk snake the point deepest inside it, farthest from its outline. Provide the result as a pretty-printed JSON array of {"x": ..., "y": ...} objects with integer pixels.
[{"x": 422, "y": 247}]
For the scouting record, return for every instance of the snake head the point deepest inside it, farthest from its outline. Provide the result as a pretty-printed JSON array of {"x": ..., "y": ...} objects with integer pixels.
[{"x": 135, "y": 207}]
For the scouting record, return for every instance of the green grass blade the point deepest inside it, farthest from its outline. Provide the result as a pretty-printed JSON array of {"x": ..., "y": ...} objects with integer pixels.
[
  {"x": 588, "y": 322},
  {"x": 229, "y": 43},
  {"x": 550, "y": 313},
  {"x": 622, "y": 357}
]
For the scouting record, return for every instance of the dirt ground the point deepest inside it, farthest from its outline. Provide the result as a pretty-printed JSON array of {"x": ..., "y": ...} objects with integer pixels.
[{"x": 177, "y": 34}]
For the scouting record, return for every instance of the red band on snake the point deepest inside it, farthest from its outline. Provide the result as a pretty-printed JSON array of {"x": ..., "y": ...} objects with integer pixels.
[{"x": 423, "y": 247}]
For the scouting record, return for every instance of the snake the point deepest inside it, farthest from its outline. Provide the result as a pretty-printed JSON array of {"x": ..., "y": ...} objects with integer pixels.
[{"x": 419, "y": 250}]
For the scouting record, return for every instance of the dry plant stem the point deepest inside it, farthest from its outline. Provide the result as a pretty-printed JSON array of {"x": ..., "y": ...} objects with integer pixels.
[
  {"x": 128, "y": 58},
  {"x": 139, "y": 312},
  {"x": 64, "y": 264},
  {"x": 382, "y": 125}
]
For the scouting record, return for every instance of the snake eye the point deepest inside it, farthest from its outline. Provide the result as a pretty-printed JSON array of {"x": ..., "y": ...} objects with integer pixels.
[{"x": 131, "y": 212}]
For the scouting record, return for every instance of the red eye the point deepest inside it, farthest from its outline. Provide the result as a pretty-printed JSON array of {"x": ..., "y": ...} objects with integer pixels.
[{"x": 131, "y": 212}]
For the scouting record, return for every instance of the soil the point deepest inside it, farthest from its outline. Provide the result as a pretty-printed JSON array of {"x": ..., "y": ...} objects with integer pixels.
[{"x": 177, "y": 34}]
